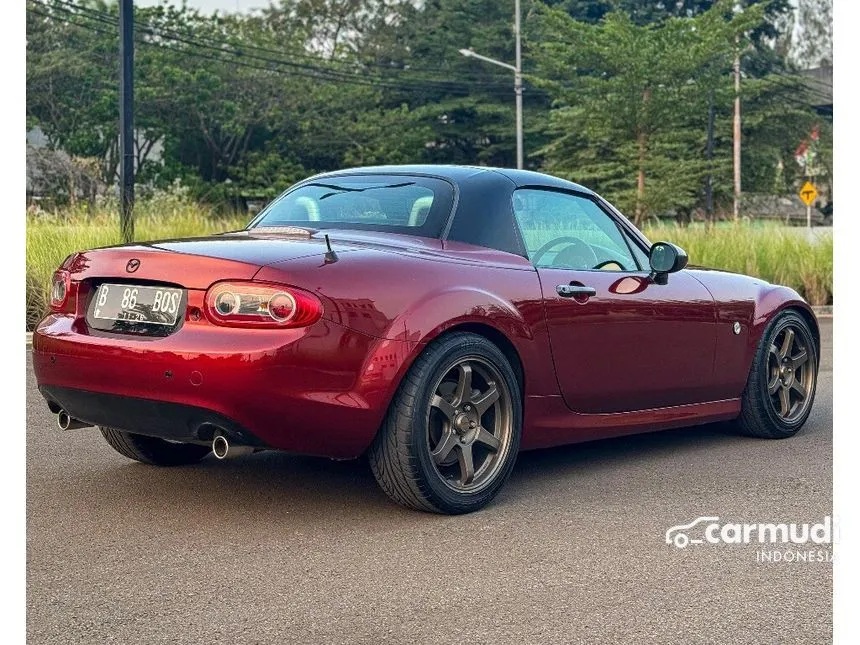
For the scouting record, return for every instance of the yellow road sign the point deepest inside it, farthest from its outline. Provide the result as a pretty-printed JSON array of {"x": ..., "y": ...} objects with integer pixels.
[{"x": 808, "y": 193}]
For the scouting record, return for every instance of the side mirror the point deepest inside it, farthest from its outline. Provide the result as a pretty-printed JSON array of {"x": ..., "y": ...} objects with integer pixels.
[{"x": 665, "y": 258}]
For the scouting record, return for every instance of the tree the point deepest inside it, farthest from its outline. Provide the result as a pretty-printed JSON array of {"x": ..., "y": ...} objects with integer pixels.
[
  {"x": 242, "y": 105},
  {"x": 630, "y": 101},
  {"x": 73, "y": 83}
]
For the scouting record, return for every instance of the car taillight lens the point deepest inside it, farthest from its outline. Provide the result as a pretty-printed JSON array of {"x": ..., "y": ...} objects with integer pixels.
[
  {"x": 256, "y": 304},
  {"x": 61, "y": 288}
]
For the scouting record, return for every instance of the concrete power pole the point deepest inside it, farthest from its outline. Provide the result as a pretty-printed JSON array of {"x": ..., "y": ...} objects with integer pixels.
[
  {"x": 518, "y": 85},
  {"x": 737, "y": 133},
  {"x": 126, "y": 119},
  {"x": 518, "y": 78}
]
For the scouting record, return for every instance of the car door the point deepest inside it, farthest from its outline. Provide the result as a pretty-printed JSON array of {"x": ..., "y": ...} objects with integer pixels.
[{"x": 619, "y": 341}]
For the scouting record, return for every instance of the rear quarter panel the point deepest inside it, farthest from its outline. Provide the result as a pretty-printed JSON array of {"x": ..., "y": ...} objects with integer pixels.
[{"x": 415, "y": 296}]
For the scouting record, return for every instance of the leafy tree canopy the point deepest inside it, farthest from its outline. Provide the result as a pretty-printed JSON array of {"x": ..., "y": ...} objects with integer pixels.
[{"x": 617, "y": 92}]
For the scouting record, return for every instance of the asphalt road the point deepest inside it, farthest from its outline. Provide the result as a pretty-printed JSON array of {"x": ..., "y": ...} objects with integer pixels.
[{"x": 279, "y": 549}]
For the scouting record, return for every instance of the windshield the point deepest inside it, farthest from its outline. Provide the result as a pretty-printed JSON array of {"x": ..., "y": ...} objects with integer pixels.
[{"x": 395, "y": 203}]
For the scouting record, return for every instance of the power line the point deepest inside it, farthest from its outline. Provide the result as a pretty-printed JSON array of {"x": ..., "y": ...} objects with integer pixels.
[
  {"x": 302, "y": 55},
  {"x": 302, "y": 71},
  {"x": 798, "y": 85},
  {"x": 312, "y": 72},
  {"x": 238, "y": 50}
]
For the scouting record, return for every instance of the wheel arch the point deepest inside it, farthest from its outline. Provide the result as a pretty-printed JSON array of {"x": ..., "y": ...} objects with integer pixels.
[
  {"x": 512, "y": 321},
  {"x": 499, "y": 339},
  {"x": 812, "y": 321},
  {"x": 479, "y": 327},
  {"x": 781, "y": 300}
]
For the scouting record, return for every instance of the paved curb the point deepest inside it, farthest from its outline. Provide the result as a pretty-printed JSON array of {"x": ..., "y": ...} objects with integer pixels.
[{"x": 825, "y": 311}]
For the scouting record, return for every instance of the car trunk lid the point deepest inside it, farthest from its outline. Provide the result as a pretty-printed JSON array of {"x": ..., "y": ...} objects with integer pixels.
[
  {"x": 148, "y": 263},
  {"x": 195, "y": 263}
]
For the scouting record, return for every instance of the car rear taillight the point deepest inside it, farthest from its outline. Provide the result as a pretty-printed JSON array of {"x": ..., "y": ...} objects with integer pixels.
[
  {"x": 259, "y": 304},
  {"x": 62, "y": 300}
]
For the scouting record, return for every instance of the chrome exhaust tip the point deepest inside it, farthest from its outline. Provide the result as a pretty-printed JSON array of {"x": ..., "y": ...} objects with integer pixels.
[
  {"x": 63, "y": 420},
  {"x": 66, "y": 422},
  {"x": 223, "y": 449}
]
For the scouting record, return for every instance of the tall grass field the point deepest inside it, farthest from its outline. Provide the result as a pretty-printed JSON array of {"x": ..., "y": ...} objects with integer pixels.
[
  {"x": 51, "y": 238},
  {"x": 776, "y": 254}
]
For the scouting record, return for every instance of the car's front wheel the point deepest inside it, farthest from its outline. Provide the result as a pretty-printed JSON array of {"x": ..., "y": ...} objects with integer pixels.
[
  {"x": 781, "y": 386},
  {"x": 152, "y": 450},
  {"x": 452, "y": 433}
]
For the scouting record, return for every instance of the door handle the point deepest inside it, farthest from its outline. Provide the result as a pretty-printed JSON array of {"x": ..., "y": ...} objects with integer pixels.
[{"x": 575, "y": 291}]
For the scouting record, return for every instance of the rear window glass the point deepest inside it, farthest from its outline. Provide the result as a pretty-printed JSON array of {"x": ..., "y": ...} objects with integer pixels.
[{"x": 417, "y": 205}]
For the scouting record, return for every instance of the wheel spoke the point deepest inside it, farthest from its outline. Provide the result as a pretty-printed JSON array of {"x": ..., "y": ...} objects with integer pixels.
[
  {"x": 467, "y": 464},
  {"x": 488, "y": 439},
  {"x": 470, "y": 425},
  {"x": 485, "y": 400},
  {"x": 443, "y": 406},
  {"x": 787, "y": 342},
  {"x": 444, "y": 447},
  {"x": 773, "y": 384},
  {"x": 784, "y": 401},
  {"x": 789, "y": 375},
  {"x": 464, "y": 384},
  {"x": 797, "y": 386},
  {"x": 799, "y": 359}
]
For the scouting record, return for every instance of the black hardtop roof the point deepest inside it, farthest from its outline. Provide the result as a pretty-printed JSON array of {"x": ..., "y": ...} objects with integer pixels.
[{"x": 462, "y": 175}]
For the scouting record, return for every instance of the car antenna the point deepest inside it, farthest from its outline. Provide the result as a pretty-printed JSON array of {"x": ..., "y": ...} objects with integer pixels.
[{"x": 330, "y": 255}]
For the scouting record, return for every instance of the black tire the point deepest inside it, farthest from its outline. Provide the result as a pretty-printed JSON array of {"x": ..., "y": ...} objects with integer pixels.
[
  {"x": 152, "y": 450},
  {"x": 759, "y": 414},
  {"x": 400, "y": 455}
]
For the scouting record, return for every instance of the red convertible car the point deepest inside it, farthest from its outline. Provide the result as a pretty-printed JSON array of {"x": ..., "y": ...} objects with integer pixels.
[{"x": 437, "y": 318}]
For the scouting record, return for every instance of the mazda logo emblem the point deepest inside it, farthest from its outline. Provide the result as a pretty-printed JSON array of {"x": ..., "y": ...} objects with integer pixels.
[{"x": 132, "y": 265}]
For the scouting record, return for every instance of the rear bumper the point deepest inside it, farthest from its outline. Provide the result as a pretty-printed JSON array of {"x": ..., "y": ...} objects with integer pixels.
[
  {"x": 175, "y": 421},
  {"x": 321, "y": 390}
]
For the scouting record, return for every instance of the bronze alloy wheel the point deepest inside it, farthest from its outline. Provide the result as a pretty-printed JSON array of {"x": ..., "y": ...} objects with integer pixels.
[
  {"x": 469, "y": 425},
  {"x": 790, "y": 374},
  {"x": 452, "y": 433}
]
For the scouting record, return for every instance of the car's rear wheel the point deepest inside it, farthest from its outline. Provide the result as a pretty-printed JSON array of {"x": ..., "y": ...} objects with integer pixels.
[
  {"x": 452, "y": 433},
  {"x": 152, "y": 450},
  {"x": 781, "y": 386}
]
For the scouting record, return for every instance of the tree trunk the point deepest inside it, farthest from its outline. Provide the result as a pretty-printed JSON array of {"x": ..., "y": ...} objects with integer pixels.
[
  {"x": 642, "y": 139},
  {"x": 640, "y": 183}
]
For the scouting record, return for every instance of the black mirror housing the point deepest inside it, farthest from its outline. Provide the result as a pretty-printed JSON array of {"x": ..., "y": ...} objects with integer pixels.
[{"x": 666, "y": 258}]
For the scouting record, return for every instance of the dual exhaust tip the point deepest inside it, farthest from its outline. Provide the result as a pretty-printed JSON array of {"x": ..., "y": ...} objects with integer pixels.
[
  {"x": 221, "y": 446},
  {"x": 66, "y": 422},
  {"x": 223, "y": 449}
]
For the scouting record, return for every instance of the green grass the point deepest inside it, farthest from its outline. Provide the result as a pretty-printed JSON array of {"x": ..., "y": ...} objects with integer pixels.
[
  {"x": 51, "y": 238},
  {"x": 767, "y": 251},
  {"x": 777, "y": 254}
]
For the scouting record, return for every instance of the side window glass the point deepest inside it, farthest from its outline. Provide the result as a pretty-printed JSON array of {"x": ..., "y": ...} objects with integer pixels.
[{"x": 566, "y": 231}]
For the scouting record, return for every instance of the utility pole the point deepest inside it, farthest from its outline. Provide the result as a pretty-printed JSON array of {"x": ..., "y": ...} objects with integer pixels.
[
  {"x": 518, "y": 78},
  {"x": 126, "y": 119},
  {"x": 809, "y": 174},
  {"x": 709, "y": 155},
  {"x": 737, "y": 131},
  {"x": 518, "y": 84}
]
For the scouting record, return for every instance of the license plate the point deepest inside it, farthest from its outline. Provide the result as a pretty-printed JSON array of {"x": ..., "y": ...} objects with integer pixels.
[{"x": 137, "y": 304}]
